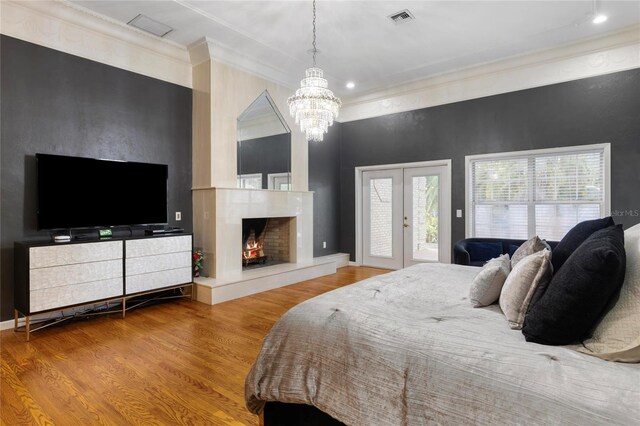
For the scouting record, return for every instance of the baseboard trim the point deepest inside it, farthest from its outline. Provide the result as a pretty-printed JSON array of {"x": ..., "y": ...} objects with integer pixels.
[
  {"x": 6, "y": 325},
  {"x": 354, "y": 263}
]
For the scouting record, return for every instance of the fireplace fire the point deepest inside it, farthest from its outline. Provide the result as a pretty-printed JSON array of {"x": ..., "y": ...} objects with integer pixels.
[
  {"x": 253, "y": 231},
  {"x": 253, "y": 253}
]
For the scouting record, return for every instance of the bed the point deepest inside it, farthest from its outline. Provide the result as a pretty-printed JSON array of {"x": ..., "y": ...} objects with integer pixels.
[{"x": 407, "y": 348}]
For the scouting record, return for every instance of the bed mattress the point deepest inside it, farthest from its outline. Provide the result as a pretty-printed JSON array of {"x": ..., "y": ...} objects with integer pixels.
[{"x": 407, "y": 348}]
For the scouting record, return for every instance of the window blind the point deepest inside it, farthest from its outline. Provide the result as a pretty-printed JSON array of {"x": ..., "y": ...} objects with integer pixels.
[{"x": 520, "y": 195}]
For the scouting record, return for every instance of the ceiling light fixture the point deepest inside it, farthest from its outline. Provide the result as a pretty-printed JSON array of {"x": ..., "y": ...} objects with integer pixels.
[
  {"x": 350, "y": 85},
  {"x": 314, "y": 106},
  {"x": 599, "y": 19}
]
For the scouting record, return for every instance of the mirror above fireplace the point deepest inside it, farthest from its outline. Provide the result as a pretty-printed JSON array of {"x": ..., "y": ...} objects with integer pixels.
[{"x": 264, "y": 147}]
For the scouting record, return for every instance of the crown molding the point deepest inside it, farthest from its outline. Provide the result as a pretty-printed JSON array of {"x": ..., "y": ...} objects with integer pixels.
[
  {"x": 206, "y": 49},
  {"x": 613, "y": 52},
  {"x": 73, "y": 29}
]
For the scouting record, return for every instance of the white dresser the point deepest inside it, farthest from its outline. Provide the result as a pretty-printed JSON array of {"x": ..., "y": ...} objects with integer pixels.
[
  {"x": 57, "y": 276},
  {"x": 155, "y": 263}
]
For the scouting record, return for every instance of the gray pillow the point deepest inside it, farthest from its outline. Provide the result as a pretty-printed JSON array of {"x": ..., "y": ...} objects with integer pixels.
[
  {"x": 531, "y": 272},
  {"x": 527, "y": 248},
  {"x": 486, "y": 286}
]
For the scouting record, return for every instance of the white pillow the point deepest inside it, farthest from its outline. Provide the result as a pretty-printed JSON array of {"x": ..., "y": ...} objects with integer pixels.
[
  {"x": 617, "y": 336},
  {"x": 486, "y": 286},
  {"x": 532, "y": 245},
  {"x": 530, "y": 273}
]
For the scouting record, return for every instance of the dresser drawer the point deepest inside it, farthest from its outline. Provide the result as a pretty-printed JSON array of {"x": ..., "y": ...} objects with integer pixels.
[
  {"x": 154, "y": 246},
  {"x": 57, "y": 276},
  {"x": 59, "y": 297},
  {"x": 43, "y": 257},
  {"x": 160, "y": 262},
  {"x": 156, "y": 280}
]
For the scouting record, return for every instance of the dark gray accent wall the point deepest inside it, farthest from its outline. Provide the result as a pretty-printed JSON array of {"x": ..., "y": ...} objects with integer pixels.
[
  {"x": 57, "y": 103},
  {"x": 593, "y": 110},
  {"x": 324, "y": 180},
  {"x": 271, "y": 154}
]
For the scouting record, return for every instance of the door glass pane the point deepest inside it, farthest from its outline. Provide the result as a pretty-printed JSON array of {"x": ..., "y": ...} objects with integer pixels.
[
  {"x": 425, "y": 218},
  {"x": 381, "y": 232}
]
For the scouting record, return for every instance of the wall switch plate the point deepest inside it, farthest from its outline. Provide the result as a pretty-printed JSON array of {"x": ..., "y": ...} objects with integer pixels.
[
  {"x": 324, "y": 244},
  {"x": 178, "y": 215},
  {"x": 459, "y": 213}
]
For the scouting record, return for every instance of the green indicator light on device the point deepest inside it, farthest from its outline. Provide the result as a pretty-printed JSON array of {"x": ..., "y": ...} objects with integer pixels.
[{"x": 105, "y": 233}]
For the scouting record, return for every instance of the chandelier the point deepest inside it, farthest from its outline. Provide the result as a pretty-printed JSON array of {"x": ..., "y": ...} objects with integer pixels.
[{"x": 314, "y": 106}]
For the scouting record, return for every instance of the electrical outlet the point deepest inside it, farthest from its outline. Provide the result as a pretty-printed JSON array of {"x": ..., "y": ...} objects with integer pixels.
[
  {"x": 459, "y": 213},
  {"x": 178, "y": 216},
  {"x": 324, "y": 244}
]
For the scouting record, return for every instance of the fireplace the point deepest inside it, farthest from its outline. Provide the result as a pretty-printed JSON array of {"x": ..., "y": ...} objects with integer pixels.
[
  {"x": 265, "y": 241},
  {"x": 253, "y": 231}
]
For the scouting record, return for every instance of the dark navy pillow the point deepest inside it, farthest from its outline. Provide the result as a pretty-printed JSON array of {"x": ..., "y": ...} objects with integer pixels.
[
  {"x": 576, "y": 236},
  {"x": 579, "y": 293},
  {"x": 512, "y": 249},
  {"x": 480, "y": 252}
]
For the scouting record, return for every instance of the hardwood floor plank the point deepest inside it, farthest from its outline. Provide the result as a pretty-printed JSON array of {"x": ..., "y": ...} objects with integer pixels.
[
  {"x": 18, "y": 406},
  {"x": 179, "y": 362}
]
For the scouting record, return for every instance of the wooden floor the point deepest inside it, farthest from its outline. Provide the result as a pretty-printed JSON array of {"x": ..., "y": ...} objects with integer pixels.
[{"x": 178, "y": 362}]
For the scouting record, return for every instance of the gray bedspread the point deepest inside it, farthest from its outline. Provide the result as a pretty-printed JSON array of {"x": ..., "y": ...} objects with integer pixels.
[{"x": 407, "y": 348}]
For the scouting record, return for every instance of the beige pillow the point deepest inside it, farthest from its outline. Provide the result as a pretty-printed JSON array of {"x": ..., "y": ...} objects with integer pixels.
[
  {"x": 528, "y": 274},
  {"x": 527, "y": 248},
  {"x": 486, "y": 286},
  {"x": 617, "y": 336}
]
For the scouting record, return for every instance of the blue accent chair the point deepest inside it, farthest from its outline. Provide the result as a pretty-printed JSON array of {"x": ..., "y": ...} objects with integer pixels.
[{"x": 477, "y": 251}]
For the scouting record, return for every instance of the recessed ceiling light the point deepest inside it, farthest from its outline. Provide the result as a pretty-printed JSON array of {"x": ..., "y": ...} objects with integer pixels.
[
  {"x": 350, "y": 85},
  {"x": 599, "y": 19}
]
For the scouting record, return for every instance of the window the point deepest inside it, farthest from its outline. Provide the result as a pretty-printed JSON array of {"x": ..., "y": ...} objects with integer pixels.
[
  {"x": 542, "y": 192},
  {"x": 252, "y": 181},
  {"x": 279, "y": 181}
]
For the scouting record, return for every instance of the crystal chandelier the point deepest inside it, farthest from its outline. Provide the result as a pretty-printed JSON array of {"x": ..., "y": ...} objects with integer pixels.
[{"x": 314, "y": 106}]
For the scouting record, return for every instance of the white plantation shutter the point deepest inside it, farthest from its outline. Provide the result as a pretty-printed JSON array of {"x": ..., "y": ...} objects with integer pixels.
[{"x": 519, "y": 195}]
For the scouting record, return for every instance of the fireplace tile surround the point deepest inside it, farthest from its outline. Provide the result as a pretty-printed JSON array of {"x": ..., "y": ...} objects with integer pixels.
[
  {"x": 217, "y": 219},
  {"x": 218, "y": 214}
]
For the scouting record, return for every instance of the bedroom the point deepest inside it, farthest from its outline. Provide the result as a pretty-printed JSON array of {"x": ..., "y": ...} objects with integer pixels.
[{"x": 78, "y": 81}]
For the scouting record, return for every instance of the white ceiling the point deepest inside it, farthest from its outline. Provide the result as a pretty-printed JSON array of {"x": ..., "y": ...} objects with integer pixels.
[{"x": 359, "y": 43}]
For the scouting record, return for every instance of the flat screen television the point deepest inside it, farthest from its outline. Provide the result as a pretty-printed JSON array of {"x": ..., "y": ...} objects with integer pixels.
[{"x": 77, "y": 192}]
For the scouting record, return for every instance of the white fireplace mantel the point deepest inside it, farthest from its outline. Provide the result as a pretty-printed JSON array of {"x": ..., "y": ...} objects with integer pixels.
[{"x": 218, "y": 214}]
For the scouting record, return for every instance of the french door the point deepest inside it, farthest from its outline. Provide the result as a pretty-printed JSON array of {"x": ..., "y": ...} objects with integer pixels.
[{"x": 406, "y": 216}]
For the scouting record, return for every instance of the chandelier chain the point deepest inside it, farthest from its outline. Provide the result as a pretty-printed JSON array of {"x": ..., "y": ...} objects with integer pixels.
[{"x": 315, "y": 50}]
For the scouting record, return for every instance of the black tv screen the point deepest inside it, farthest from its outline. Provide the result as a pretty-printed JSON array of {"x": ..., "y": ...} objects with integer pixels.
[{"x": 76, "y": 192}]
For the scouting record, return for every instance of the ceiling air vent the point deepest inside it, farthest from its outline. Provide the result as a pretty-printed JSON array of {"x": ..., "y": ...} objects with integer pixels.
[
  {"x": 147, "y": 24},
  {"x": 402, "y": 16}
]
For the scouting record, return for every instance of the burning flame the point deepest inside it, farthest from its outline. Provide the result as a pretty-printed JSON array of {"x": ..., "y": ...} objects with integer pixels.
[{"x": 252, "y": 249}]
